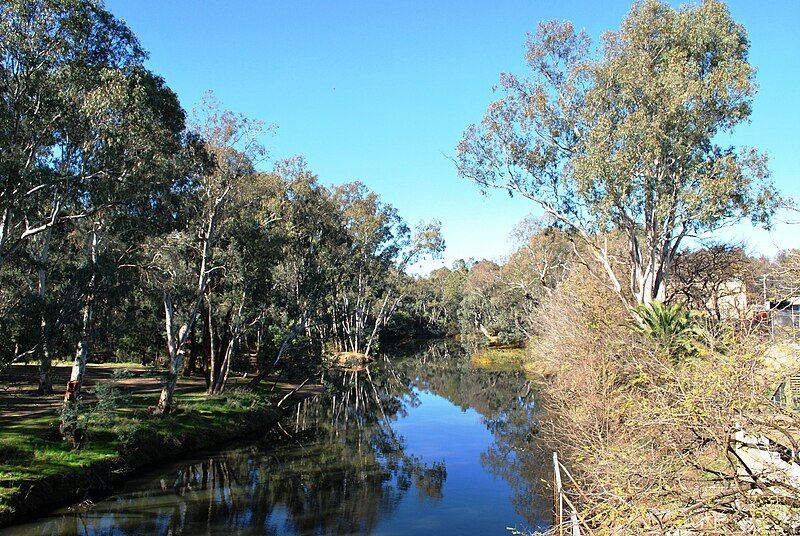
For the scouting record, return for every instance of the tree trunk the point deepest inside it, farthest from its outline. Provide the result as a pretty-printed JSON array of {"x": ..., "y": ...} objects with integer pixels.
[
  {"x": 84, "y": 344},
  {"x": 4, "y": 225},
  {"x": 69, "y": 423},
  {"x": 191, "y": 363},
  {"x": 206, "y": 349},
  {"x": 165, "y": 401},
  {"x": 213, "y": 352},
  {"x": 177, "y": 341},
  {"x": 175, "y": 344},
  {"x": 284, "y": 346},
  {"x": 229, "y": 343},
  {"x": 220, "y": 379},
  {"x": 81, "y": 357},
  {"x": 45, "y": 357}
]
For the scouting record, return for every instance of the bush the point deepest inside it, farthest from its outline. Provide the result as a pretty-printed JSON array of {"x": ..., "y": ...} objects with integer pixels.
[
  {"x": 77, "y": 417},
  {"x": 653, "y": 440},
  {"x": 136, "y": 439},
  {"x": 109, "y": 398}
]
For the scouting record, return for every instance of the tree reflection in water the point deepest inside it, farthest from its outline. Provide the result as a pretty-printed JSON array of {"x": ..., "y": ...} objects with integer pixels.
[
  {"x": 505, "y": 401},
  {"x": 337, "y": 467}
]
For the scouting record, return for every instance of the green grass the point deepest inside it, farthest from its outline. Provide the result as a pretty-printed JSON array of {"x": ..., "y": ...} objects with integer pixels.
[
  {"x": 499, "y": 358},
  {"x": 31, "y": 448}
]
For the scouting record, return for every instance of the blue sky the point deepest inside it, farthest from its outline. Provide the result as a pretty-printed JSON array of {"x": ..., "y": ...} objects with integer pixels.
[{"x": 380, "y": 91}]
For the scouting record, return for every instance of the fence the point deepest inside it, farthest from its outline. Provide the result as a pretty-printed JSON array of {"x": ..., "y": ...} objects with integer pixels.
[
  {"x": 785, "y": 323},
  {"x": 565, "y": 515}
]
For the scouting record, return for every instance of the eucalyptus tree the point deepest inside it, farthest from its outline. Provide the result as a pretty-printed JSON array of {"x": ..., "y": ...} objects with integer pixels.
[
  {"x": 534, "y": 270},
  {"x": 241, "y": 294},
  {"x": 81, "y": 120},
  {"x": 494, "y": 299},
  {"x": 379, "y": 248},
  {"x": 482, "y": 308},
  {"x": 55, "y": 56},
  {"x": 425, "y": 241},
  {"x": 137, "y": 148},
  {"x": 183, "y": 261},
  {"x": 435, "y": 300},
  {"x": 309, "y": 239},
  {"x": 627, "y": 139}
]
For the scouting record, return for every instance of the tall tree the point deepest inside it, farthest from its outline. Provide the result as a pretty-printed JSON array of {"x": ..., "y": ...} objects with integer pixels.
[
  {"x": 183, "y": 260},
  {"x": 379, "y": 248},
  {"x": 77, "y": 127},
  {"x": 57, "y": 58},
  {"x": 136, "y": 148},
  {"x": 626, "y": 140}
]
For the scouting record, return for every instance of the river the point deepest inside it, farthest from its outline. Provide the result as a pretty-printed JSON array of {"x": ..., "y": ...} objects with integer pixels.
[{"x": 418, "y": 444}]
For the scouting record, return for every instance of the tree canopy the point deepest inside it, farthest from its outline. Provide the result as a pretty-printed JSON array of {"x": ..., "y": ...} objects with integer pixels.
[{"x": 626, "y": 138}]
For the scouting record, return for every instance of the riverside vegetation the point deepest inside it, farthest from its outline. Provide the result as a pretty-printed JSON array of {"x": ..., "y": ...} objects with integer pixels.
[{"x": 131, "y": 231}]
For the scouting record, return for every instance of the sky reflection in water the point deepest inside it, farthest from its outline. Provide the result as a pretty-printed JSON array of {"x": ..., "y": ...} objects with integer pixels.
[{"x": 421, "y": 445}]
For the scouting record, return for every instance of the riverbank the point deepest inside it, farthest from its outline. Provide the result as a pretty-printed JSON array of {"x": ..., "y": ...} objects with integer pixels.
[
  {"x": 40, "y": 471},
  {"x": 423, "y": 443},
  {"x": 507, "y": 358}
]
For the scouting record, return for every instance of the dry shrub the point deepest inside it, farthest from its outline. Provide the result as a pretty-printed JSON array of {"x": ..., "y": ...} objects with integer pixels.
[{"x": 650, "y": 438}]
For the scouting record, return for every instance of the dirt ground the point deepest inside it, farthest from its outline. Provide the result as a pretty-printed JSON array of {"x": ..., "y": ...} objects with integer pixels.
[{"x": 18, "y": 384}]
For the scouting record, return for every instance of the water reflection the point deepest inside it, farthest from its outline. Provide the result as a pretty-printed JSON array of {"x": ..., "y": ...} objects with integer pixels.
[
  {"x": 338, "y": 465},
  {"x": 505, "y": 401}
]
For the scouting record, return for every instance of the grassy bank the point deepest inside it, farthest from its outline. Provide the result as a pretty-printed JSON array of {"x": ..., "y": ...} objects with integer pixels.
[
  {"x": 500, "y": 358},
  {"x": 39, "y": 470}
]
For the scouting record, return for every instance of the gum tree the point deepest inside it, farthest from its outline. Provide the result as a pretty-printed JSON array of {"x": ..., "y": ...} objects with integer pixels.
[
  {"x": 379, "y": 247},
  {"x": 80, "y": 118},
  {"x": 627, "y": 140},
  {"x": 184, "y": 260}
]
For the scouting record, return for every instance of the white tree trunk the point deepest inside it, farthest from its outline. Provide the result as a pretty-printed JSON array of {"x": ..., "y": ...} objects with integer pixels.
[
  {"x": 45, "y": 356},
  {"x": 84, "y": 344},
  {"x": 175, "y": 345},
  {"x": 177, "y": 341}
]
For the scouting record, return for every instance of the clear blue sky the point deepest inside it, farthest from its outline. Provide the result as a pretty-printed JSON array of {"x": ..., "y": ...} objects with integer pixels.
[{"x": 381, "y": 91}]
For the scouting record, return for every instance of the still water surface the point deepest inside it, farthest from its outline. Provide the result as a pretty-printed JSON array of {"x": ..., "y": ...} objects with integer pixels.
[{"x": 426, "y": 444}]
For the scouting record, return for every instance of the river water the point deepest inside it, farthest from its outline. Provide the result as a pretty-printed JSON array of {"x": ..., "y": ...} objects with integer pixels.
[{"x": 422, "y": 444}]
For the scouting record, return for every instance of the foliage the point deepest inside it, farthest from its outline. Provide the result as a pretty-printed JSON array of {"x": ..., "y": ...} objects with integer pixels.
[
  {"x": 624, "y": 139},
  {"x": 672, "y": 328},
  {"x": 108, "y": 181},
  {"x": 80, "y": 418},
  {"x": 651, "y": 439},
  {"x": 487, "y": 302}
]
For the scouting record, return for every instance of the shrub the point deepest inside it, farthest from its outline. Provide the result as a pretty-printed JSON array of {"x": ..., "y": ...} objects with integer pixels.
[
  {"x": 652, "y": 440},
  {"x": 135, "y": 439},
  {"x": 109, "y": 398}
]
